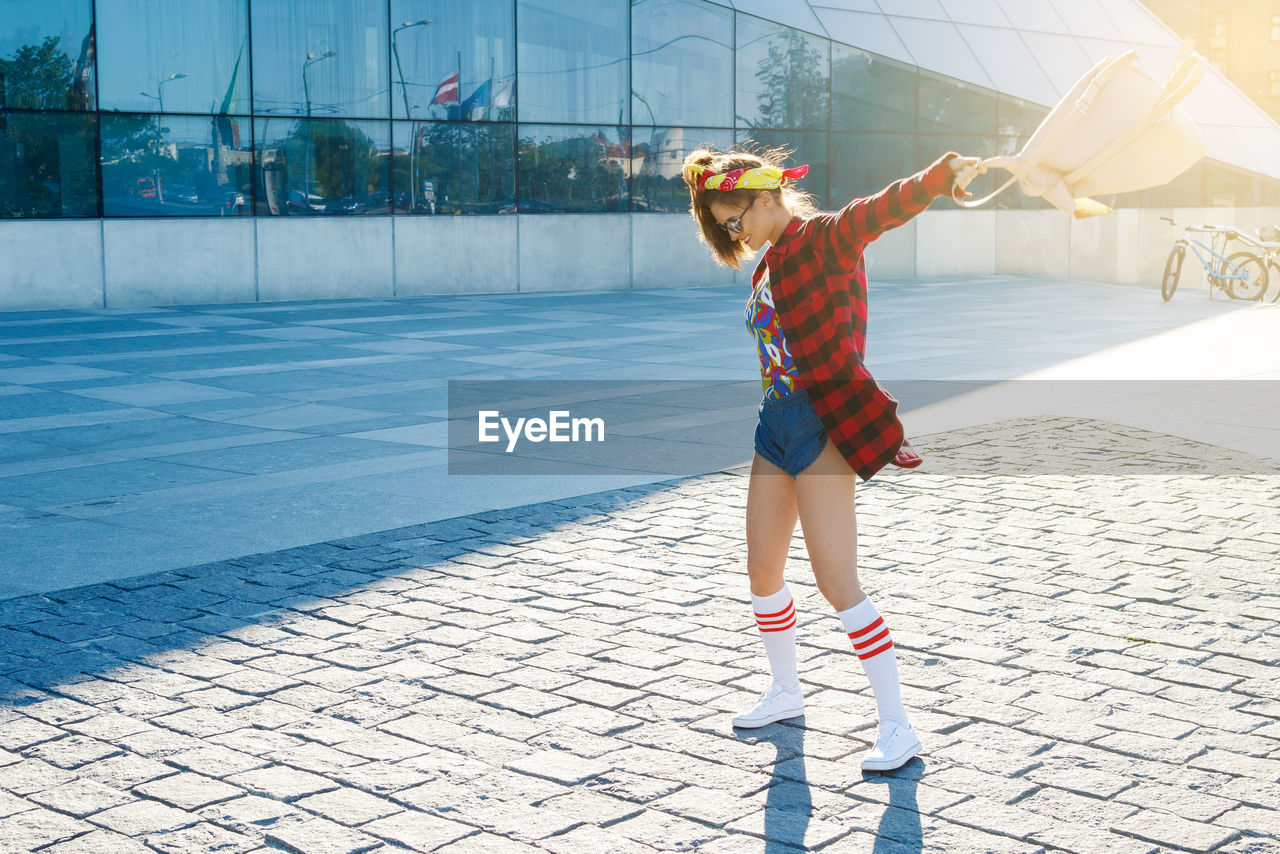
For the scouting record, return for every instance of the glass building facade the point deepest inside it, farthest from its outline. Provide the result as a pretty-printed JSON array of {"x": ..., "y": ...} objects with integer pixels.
[{"x": 155, "y": 108}]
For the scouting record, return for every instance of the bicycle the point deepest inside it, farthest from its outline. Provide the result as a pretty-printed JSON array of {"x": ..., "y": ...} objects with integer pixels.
[
  {"x": 1267, "y": 247},
  {"x": 1241, "y": 275}
]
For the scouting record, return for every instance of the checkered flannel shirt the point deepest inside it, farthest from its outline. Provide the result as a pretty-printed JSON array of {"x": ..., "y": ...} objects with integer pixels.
[{"x": 819, "y": 288}]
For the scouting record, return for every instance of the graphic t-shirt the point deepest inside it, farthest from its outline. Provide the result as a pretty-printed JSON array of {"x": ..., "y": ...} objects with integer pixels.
[{"x": 778, "y": 372}]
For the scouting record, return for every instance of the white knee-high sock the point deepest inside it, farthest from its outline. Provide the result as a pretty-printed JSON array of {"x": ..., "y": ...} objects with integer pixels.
[
  {"x": 874, "y": 646},
  {"x": 776, "y": 618}
]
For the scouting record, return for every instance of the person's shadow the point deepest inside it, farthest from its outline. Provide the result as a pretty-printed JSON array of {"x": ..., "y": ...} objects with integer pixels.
[{"x": 789, "y": 801}]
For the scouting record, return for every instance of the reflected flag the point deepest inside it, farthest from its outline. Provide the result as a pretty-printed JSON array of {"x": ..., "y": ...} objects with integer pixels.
[
  {"x": 505, "y": 96},
  {"x": 447, "y": 92},
  {"x": 477, "y": 102}
]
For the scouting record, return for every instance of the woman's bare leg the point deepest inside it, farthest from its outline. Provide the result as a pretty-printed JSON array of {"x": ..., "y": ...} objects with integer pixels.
[
  {"x": 824, "y": 502},
  {"x": 771, "y": 520}
]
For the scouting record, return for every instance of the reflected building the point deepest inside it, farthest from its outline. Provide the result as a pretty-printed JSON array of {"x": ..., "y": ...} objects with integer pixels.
[{"x": 555, "y": 129}]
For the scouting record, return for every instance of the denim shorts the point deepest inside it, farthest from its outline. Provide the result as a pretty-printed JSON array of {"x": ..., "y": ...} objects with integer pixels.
[{"x": 790, "y": 435}]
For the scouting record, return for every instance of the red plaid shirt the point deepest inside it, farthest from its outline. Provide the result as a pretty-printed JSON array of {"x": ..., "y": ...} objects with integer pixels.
[{"x": 820, "y": 290}]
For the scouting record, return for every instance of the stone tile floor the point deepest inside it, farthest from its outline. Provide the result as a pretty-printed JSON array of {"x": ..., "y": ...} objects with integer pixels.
[{"x": 1090, "y": 658}]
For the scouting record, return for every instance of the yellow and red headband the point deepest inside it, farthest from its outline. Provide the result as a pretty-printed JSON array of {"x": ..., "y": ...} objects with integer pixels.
[{"x": 756, "y": 178}]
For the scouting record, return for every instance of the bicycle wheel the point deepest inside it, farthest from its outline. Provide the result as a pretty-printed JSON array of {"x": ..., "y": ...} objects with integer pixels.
[
  {"x": 1273, "y": 277},
  {"x": 1172, "y": 270},
  {"x": 1253, "y": 285}
]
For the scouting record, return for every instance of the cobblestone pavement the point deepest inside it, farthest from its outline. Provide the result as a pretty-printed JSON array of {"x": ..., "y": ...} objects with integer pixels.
[{"x": 1091, "y": 660}]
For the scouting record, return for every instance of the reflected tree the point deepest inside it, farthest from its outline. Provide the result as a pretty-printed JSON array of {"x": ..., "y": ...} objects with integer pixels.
[
  {"x": 41, "y": 77},
  {"x": 793, "y": 88},
  {"x": 580, "y": 173},
  {"x": 330, "y": 159}
]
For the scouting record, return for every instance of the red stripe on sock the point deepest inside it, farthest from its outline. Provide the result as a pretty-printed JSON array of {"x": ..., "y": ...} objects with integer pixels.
[
  {"x": 790, "y": 615},
  {"x": 863, "y": 656},
  {"x": 863, "y": 646},
  {"x": 780, "y": 628},
  {"x": 776, "y": 613},
  {"x": 879, "y": 621}
]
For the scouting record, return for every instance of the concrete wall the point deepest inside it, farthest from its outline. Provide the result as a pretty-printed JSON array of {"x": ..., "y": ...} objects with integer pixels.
[{"x": 106, "y": 263}]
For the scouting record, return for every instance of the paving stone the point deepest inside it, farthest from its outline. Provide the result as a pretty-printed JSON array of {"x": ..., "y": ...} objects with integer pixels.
[
  {"x": 188, "y": 791},
  {"x": 563, "y": 768},
  {"x": 33, "y": 775},
  {"x": 1165, "y": 829},
  {"x": 251, "y": 815},
  {"x": 39, "y": 827},
  {"x": 281, "y": 783},
  {"x": 138, "y": 817},
  {"x": 99, "y": 842},
  {"x": 418, "y": 831},
  {"x": 349, "y": 807},
  {"x": 204, "y": 838},
  {"x": 80, "y": 798},
  {"x": 317, "y": 836}
]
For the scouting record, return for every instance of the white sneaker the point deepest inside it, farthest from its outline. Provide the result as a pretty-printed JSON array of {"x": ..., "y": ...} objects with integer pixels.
[
  {"x": 894, "y": 748},
  {"x": 775, "y": 704}
]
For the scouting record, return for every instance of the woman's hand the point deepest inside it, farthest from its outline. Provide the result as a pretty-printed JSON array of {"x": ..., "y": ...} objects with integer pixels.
[{"x": 964, "y": 170}]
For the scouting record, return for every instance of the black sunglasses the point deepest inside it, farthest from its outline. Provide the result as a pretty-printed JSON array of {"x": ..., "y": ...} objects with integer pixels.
[{"x": 733, "y": 225}]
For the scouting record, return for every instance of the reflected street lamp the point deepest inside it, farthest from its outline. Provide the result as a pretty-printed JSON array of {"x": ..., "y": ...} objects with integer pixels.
[
  {"x": 311, "y": 60},
  {"x": 159, "y": 96},
  {"x": 404, "y": 92}
]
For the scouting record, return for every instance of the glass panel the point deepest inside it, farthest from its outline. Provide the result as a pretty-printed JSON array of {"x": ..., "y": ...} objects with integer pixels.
[
  {"x": 658, "y": 159},
  {"x": 48, "y": 165},
  {"x": 985, "y": 12},
  {"x": 320, "y": 58},
  {"x": 573, "y": 60},
  {"x": 865, "y": 163},
  {"x": 929, "y": 147},
  {"x": 1033, "y": 15},
  {"x": 451, "y": 168},
  {"x": 46, "y": 54},
  {"x": 937, "y": 45},
  {"x": 572, "y": 169},
  {"x": 797, "y": 13},
  {"x": 161, "y": 56},
  {"x": 870, "y": 92},
  {"x": 783, "y": 76},
  {"x": 867, "y": 30},
  {"x": 1018, "y": 118},
  {"x": 1009, "y": 63},
  {"x": 1185, "y": 191},
  {"x": 175, "y": 165},
  {"x": 949, "y": 106},
  {"x": 452, "y": 60},
  {"x": 321, "y": 166},
  {"x": 810, "y": 148},
  {"x": 1227, "y": 187},
  {"x": 1060, "y": 56},
  {"x": 1086, "y": 18},
  {"x": 681, "y": 63}
]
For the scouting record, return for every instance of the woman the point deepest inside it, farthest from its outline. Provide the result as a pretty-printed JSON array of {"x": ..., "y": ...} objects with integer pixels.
[{"x": 824, "y": 421}]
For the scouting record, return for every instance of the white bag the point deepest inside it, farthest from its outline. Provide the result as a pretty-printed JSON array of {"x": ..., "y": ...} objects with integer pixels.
[{"x": 1116, "y": 131}]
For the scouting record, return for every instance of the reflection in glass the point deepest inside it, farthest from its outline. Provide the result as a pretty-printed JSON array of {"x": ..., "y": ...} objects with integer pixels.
[
  {"x": 573, "y": 59},
  {"x": 161, "y": 56},
  {"x": 783, "y": 76},
  {"x": 950, "y": 106},
  {"x": 175, "y": 165},
  {"x": 1187, "y": 190},
  {"x": 1017, "y": 117},
  {"x": 453, "y": 168},
  {"x": 46, "y": 55},
  {"x": 810, "y": 148},
  {"x": 681, "y": 63},
  {"x": 572, "y": 169},
  {"x": 452, "y": 60},
  {"x": 321, "y": 58},
  {"x": 869, "y": 92},
  {"x": 865, "y": 163},
  {"x": 47, "y": 165},
  {"x": 322, "y": 166},
  {"x": 658, "y": 159}
]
